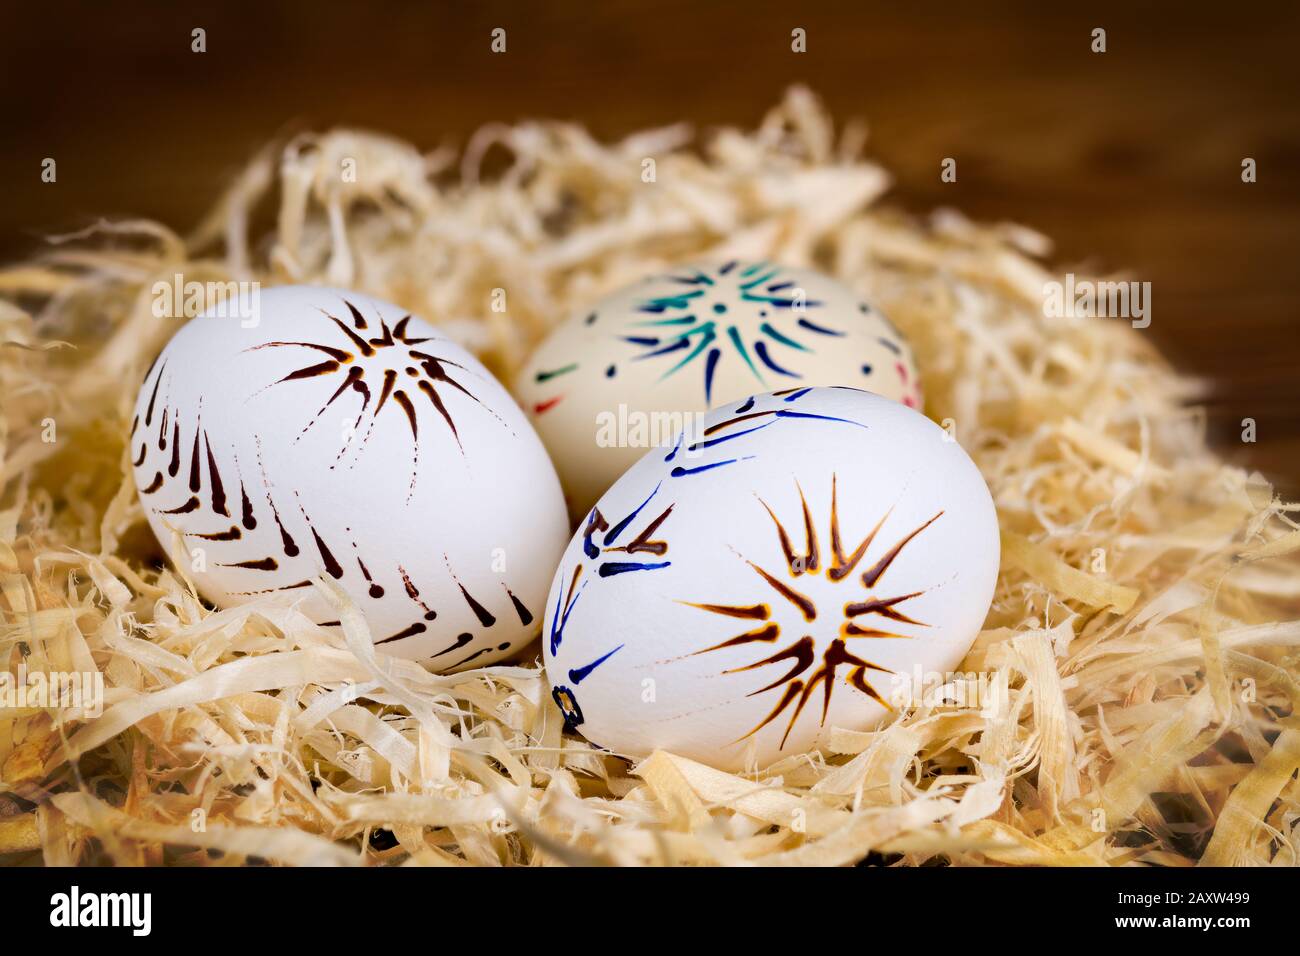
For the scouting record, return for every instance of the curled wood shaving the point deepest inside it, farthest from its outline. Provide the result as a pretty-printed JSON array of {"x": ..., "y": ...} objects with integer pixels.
[{"x": 1144, "y": 635}]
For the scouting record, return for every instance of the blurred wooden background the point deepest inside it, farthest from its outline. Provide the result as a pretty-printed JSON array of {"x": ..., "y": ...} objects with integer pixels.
[{"x": 1130, "y": 159}]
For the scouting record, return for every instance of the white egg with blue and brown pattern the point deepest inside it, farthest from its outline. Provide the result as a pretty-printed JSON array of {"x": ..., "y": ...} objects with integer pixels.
[
  {"x": 792, "y": 566},
  {"x": 607, "y": 382},
  {"x": 323, "y": 433}
]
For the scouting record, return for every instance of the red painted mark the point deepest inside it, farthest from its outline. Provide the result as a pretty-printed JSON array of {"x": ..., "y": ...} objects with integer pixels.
[
  {"x": 547, "y": 405},
  {"x": 902, "y": 371}
]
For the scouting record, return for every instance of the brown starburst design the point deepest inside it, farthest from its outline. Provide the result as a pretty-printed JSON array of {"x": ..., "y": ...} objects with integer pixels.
[
  {"x": 427, "y": 376},
  {"x": 801, "y": 654}
]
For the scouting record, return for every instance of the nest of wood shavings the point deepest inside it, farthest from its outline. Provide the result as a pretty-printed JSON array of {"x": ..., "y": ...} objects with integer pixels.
[{"x": 1145, "y": 618}]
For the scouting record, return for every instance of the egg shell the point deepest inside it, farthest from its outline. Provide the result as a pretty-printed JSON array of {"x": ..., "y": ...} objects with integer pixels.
[
  {"x": 699, "y": 337},
  {"x": 733, "y": 598},
  {"x": 329, "y": 433}
]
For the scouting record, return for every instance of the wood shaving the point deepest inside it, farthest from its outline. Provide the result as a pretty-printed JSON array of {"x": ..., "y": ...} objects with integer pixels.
[{"x": 1144, "y": 628}]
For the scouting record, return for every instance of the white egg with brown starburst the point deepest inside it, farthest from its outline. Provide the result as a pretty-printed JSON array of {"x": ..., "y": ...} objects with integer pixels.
[
  {"x": 805, "y": 559},
  {"x": 317, "y": 432},
  {"x": 614, "y": 378}
]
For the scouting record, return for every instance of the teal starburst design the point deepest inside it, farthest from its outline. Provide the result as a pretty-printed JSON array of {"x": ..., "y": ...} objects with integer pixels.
[{"x": 678, "y": 326}]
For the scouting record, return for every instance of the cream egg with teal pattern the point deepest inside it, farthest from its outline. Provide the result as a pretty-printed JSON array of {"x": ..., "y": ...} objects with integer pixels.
[{"x": 626, "y": 373}]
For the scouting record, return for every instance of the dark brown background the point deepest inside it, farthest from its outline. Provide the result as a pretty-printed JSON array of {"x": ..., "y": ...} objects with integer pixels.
[{"x": 1130, "y": 159}]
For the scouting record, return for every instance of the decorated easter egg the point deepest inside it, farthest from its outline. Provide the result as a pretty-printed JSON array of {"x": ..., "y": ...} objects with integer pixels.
[
  {"x": 616, "y": 378},
  {"x": 326, "y": 433},
  {"x": 786, "y": 569}
]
